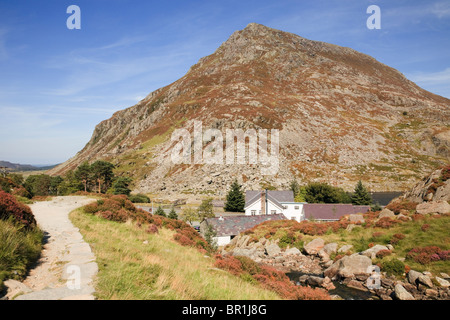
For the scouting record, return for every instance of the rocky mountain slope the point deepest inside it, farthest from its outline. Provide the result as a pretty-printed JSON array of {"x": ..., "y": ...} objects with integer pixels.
[{"x": 341, "y": 115}]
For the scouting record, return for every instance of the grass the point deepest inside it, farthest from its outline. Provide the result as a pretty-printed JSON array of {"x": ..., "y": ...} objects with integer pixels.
[
  {"x": 135, "y": 265},
  {"x": 19, "y": 249}
]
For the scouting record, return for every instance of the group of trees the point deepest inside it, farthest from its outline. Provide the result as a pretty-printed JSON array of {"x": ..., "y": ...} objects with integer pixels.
[
  {"x": 318, "y": 192},
  {"x": 97, "y": 177}
]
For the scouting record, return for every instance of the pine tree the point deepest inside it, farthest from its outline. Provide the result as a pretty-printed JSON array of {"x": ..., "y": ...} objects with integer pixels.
[
  {"x": 160, "y": 212},
  {"x": 235, "y": 198},
  {"x": 172, "y": 214},
  {"x": 361, "y": 196}
]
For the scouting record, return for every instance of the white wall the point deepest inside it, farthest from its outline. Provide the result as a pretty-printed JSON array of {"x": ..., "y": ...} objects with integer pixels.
[
  {"x": 293, "y": 211},
  {"x": 222, "y": 241},
  {"x": 256, "y": 207},
  {"x": 290, "y": 212}
]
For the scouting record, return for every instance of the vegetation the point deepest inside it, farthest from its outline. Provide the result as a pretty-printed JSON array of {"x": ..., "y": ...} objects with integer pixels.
[
  {"x": 235, "y": 198},
  {"x": 139, "y": 198},
  {"x": 20, "y": 238},
  {"x": 361, "y": 196},
  {"x": 323, "y": 193},
  {"x": 136, "y": 263}
]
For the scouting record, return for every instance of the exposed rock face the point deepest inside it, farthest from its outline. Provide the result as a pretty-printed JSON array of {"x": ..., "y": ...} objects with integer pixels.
[
  {"x": 348, "y": 266},
  {"x": 434, "y": 187},
  {"x": 314, "y": 246},
  {"x": 337, "y": 110}
]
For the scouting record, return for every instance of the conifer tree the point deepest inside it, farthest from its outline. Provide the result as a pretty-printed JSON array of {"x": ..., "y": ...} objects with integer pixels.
[
  {"x": 361, "y": 196},
  {"x": 235, "y": 198}
]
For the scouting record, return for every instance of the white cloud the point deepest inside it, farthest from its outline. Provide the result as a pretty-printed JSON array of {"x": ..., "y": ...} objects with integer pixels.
[{"x": 441, "y": 9}]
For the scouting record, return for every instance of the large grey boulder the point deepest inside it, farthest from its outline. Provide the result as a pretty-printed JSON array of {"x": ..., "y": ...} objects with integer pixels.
[
  {"x": 348, "y": 266},
  {"x": 402, "y": 294},
  {"x": 413, "y": 276},
  {"x": 330, "y": 248},
  {"x": 272, "y": 249},
  {"x": 386, "y": 213},
  {"x": 439, "y": 207},
  {"x": 314, "y": 246},
  {"x": 372, "y": 252}
]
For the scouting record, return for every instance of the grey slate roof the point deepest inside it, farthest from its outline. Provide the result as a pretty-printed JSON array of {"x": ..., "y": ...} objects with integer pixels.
[
  {"x": 233, "y": 225},
  {"x": 319, "y": 211},
  {"x": 275, "y": 196}
]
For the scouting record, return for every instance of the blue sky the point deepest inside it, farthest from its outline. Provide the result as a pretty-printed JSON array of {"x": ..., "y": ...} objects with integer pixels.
[{"x": 56, "y": 84}]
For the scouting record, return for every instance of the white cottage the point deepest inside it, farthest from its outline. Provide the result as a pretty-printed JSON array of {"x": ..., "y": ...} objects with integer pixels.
[{"x": 270, "y": 202}]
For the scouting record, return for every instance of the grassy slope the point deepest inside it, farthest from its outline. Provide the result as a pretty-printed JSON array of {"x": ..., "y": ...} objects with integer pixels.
[{"x": 161, "y": 269}]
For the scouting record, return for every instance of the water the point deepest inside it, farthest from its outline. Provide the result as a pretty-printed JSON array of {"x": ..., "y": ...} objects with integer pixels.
[
  {"x": 341, "y": 290},
  {"x": 383, "y": 198}
]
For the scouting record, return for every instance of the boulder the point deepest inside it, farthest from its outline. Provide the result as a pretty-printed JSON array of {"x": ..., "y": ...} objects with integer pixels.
[
  {"x": 348, "y": 266},
  {"x": 272, "y": 249},
  {"x": 330, "y": 248},
  {"x": 386, "y": 213},
  {"x": 413, "y": 276},
  {"x": 425, "y": 280},
  {"x": 356, "y": 218},
  {"x": 356, "y": 285},
  {"x": 440, "y": 207},
  {"x": 401, "y": 293},
  {"x": 325, "y": 257},
  {"x": 292, "y": 251},
  {"x": 314, "y": 246},
  {"x": 442, "y": 282},
  {"x": 345, "y": 248},
  {"x": 372, "y": 252},
  {"x": 315, "y": 281}
]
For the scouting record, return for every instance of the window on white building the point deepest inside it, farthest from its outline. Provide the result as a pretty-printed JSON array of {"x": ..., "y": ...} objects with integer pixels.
[
  {"x": 273, "y": 211},
  {"x": 253, "y": 212},
  {"x": 296, "y": 207}
]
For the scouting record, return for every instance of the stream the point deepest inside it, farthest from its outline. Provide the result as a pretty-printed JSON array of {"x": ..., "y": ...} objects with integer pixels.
[{"x": 341, "y": 290}]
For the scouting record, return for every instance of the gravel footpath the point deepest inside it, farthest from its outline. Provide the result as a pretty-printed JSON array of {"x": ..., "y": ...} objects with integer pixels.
[{"x": 67, "y": 266}]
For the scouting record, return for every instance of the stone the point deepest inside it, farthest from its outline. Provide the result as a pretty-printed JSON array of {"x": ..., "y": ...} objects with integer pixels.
[
  {"x": 330, "y": 248},
  {"x": 386, "y": 213},
  {"x": 442, "y": 282},
  {"x": 315, "y": 281},
  {"x": 348, "y": 266},
  {"x": 314, "y": 246},
  {"x": 432, "y": 293},
  {"x": 324, "y": 256},
  {"x": 439, "y": 207},
  {"x": 402, "y": 294},
  {"x": 292, "y": 251},
  {"x": 356, "y": 285},
  {"x": 372, "y": 252},
  {"x": 356, "y": 218},
  {"x": 272, "y": 249},
  {"x": 444, "y": 275},
  {"x": 345, "y": 248},
  {"x": 413, "y": 276},
  {"x": 425, "y": 280}
]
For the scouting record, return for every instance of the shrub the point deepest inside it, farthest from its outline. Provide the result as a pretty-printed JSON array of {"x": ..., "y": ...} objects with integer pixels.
[
  {"x": 428, "y": 254},
  {"x": 385, "y": 223},
  {"x": 397, "y": 205},
  {"x": 139, "y": 198},
  {"x": 152, "y": 229},
  {"x": 393, "y": 267},
  {"x": 425, "y": 227},
  {"x": 383, "y": 253},
  {"x": 10, "y": 208},
  {"x": 396, "y": 238},
  {"x": 445, "y": 174}
]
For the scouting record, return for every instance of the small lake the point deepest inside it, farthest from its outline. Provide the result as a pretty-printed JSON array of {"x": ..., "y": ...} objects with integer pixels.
[
  {"x": 341, "y": 290},
  {"x": 383, "y": 198}
]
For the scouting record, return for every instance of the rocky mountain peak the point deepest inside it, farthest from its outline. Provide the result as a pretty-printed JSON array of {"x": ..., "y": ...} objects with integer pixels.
[{"x": 342, "y": 115}]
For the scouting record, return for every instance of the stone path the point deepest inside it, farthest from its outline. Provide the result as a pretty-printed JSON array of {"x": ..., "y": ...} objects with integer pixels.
[{"x": 67, "y": 266}]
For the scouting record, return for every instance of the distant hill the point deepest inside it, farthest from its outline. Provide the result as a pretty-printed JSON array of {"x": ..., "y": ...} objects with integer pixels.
[{"x": 24, "y": 167}]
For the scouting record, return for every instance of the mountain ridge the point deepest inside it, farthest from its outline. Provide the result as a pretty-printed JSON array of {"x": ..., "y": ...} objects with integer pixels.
[{"x": 342, "y": 116}]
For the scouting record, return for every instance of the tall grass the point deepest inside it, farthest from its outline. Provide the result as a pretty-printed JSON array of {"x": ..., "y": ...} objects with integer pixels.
[
  {"x": 19, "y": 249},
  {"x": 136, "y": 265}
]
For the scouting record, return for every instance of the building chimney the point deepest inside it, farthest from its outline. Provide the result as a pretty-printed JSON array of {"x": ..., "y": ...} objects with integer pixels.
[{"x": 263, "y": 202}]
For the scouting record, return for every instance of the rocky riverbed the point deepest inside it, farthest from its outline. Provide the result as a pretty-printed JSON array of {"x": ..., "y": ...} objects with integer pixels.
[{"x": 352, "y": 275}]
